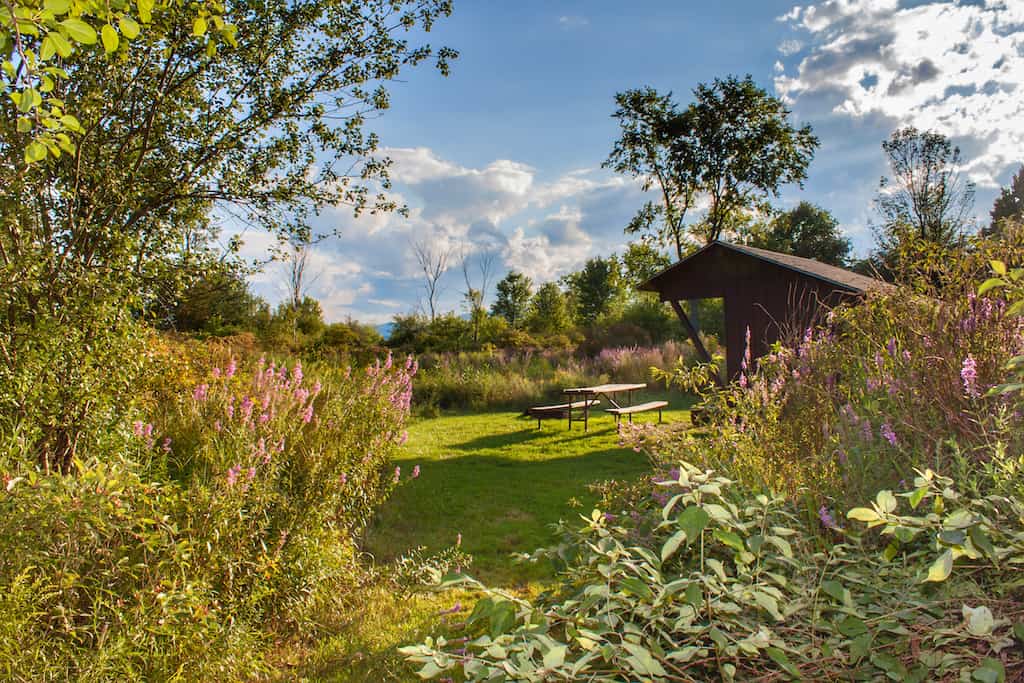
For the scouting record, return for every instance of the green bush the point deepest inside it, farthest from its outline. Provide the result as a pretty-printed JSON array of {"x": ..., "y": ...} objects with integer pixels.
[
  {"x": 705, "y": 580},
  {"x": 226, "y": 521}
]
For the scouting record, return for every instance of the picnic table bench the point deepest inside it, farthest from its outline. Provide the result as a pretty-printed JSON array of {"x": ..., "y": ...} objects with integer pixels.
[
  {"x": 639, "y": 408},
  {"x": 609, "y": 391},
  {"x": 560, "y": 410}
]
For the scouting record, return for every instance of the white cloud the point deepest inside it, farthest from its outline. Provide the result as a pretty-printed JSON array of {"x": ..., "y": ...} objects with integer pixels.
[
  {"x": 571, "y": 21},
  {"x": 943, "y": 65}
]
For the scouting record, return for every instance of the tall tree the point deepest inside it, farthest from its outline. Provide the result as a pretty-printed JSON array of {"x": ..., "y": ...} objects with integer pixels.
[
  {"x": 512, "y": 298},
  {"x": 805, "y": 230},
  {"x": 594, "y": 288},
  {"x": 1009, "y": 204},
  {"x": 549, "y": 312},
  {"x": 927, "y": 196},
  {"x": 642, "y": 152},
  {"x": 732, "y": 147}
]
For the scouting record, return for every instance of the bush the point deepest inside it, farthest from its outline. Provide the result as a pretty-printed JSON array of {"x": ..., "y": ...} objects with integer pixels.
[
  {"x": 709, "y": 581},
  {"x": 226, "y": 521}
]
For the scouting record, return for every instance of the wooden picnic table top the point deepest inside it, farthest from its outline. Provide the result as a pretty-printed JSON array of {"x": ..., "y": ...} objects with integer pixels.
[{"x": 605, "y": 389}]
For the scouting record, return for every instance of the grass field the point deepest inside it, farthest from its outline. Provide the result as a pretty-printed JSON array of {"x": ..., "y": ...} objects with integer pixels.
[{"x": 498, "y": 481}]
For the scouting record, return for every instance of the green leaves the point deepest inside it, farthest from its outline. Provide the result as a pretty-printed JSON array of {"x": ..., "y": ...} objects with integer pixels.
[
  {"x": 941, "y": 568},
  {"x": 110, "y": 38},
  {"x": 79, "y": 31}
]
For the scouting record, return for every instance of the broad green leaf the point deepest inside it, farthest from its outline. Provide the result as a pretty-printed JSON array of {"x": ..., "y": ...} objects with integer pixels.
[
  {"x": 886, "y": 501},
  {"x": 636, "y": 587},
  {"x": 768, "y": 603},
  {"x": 998, "y": 267},
  {"x": 672, "y": 544},
  {"x": 47, "y": 49},
  {"x": 110, "y": 38},
  {"x": 693, "y": 520},
  {"x": 730, "y": 539},
  {"x": 863, "y": 515},
  {"x": 555, "y": 657},
  {"x": 642, "y": 661},
  {"x": 128, "y": 27},
  {"x": 834, "y": 589},
  {"x": 860, "y": 646},
  {"x": 852, "y": 626},
  {"x": 980, "y": 621},
  {"x": 917, "y": 496},
  {"x": 79, "y": 31},
  {"x": 941, "y": 568},
  {"x": 35, "y": 151},
  {"x": 780, "y": 658},
  {"x": 694, "y": 595},
  {"x": 57, "y": 6},
  {"x": 990, "y": 284},
  {"x": 199, "y": 26},
  {"x": 145, "y": 10}
]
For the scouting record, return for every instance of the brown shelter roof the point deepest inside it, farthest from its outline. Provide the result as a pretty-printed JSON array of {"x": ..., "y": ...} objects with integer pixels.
[{"x": 838, "y": 277}]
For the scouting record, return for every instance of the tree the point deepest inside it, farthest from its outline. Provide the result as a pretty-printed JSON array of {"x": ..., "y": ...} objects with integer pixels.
[
  {"x": 642, "y": 261},
  {"x": 594, "y": 288},
  {"x": 927, "y": 198},
  {"x": 1009, "y": 204},
  {"x": 433, "y": 262},
  {"x": 549, "y": 313},
  {"x": 642, "y": 152},
  {"x": 733, "y": 146},
  {"x": 475, "y": 297},
  {"x": 806, "y": 230},
  {"x": 512, "y": 298}
]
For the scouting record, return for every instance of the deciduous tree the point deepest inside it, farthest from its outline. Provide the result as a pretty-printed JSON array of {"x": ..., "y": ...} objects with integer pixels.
[{"x": 512, "y": 298}]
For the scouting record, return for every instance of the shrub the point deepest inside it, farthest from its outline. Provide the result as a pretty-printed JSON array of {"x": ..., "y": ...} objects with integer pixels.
[
  {"x": 705, "y": 580},
  {"x": 227, "y": 519}
]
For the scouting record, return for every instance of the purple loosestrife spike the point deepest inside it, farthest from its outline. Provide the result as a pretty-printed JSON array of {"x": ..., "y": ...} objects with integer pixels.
[
  {"x": 969, "y": 376},
  {"x": 416, "y": 472},
  {"x": 233, "y": 474},
  {"x": 343, "y": 478},
  {"x": 888, "y": 434},
  {"x": 200, "y": 393},
  {"x": 297, "y": 373},
  {"x": 307, "y": 414},
  {"x": 216, "y": 373},
  {"x": 216, "y": 426},
  {"x": 891, "y": 347},
  {"x": 137, "y": 428},
  {"x": 166, "y": 444},
  {"x": 826, "y": 518},
  {"x": 251, "y": 474},
  {"x": 229, "y": 372},
  {"x": 398, "y": 474}
]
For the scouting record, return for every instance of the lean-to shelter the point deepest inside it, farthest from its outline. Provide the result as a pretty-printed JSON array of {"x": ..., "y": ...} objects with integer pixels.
[{"x": 774, "y": 295}]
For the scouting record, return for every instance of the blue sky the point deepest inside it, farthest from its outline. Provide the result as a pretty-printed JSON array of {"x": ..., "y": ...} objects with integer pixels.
[{"x": 504, "y": 155}]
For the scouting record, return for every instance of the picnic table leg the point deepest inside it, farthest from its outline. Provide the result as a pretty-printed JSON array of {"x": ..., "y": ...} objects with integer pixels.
[
  {"x": 570, "y": 412},
  {"x": 586, "y": 412}
]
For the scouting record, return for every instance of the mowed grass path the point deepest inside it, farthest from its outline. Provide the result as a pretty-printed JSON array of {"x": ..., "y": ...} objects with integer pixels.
[{"x": 500, "y": 482}]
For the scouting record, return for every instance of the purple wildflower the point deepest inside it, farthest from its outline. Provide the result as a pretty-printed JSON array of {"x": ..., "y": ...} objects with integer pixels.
[
  {"x": 415, "y": 471},
  {"x": 969, "y": 376},
  {"x": 827, "y": 520},
  {"x": 233, "y": 474},
  {"x": 398, "y": 474},
  {"x": 307, "y": 414},
  {"x": 199, "y": 394},
  {"x": 888, "y": 434},
  {"x": 229, "y": 372}
]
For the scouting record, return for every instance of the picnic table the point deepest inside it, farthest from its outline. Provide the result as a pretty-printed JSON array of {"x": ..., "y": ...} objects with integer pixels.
[{"x": 609, "y": 391}]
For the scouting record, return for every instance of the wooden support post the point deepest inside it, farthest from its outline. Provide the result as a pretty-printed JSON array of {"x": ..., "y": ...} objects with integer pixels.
[{"x": 691, "y": 331}]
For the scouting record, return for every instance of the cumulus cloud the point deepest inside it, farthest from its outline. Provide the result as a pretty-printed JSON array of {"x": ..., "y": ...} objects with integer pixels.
[
  {"x": 571, "y": 21},
  {"x": 544, "y": 228},
  {"x": 951, "y": 65}
]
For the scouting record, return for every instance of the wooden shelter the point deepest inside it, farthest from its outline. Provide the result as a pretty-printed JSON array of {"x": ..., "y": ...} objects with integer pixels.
[{"x": 773, "y": 295}]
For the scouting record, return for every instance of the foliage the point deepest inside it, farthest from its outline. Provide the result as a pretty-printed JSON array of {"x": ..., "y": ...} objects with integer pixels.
[
  {"x": 40, "y": 42},
  {"x": 594, "y": 288},
  {"x": 517, "y": 379},
  {"x": 1009, "y": 205},
  {"x": 706, "y": 580},
  {"x": 806, "y": 230},
  {"x": 641, "y": 262},
  {"x": 733, "y": 145},
  {"x": 512, "y": 298},
  {"x": 927, "y": 198},
  {"x": 549, "y": 311},
  {"x": 189, "y": 542}
]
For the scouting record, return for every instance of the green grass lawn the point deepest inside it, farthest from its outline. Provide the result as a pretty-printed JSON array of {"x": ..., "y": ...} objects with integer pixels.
[{"x": 498, "y": 481}]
